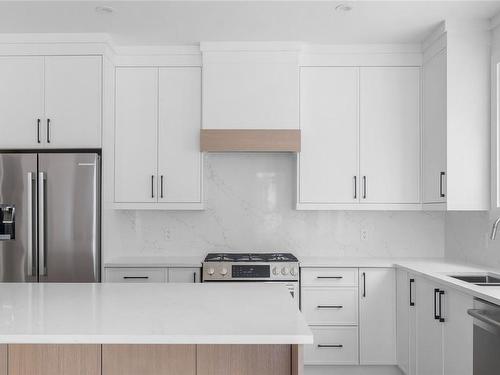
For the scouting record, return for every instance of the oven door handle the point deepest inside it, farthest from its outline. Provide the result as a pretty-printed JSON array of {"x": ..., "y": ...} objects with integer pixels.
[{"x": 479, "y": 315}]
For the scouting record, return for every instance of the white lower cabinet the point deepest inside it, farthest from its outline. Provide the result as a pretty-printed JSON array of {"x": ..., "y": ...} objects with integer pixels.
[
  {"x": 352, "y": 314},
  {"x": 152, "y": 275},
  {"x": 377, "y": 316},
  {"x": 183, "y": 275},
  {"x": 435, "y": 334},
  {"x": 406, "y": 322},
  {"x": 333, "y": 346}
]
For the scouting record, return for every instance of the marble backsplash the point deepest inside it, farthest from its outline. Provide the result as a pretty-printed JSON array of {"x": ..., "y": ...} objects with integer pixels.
[
  {"x": 250, "y": 206},
  {"x": 467, "y": 239}
]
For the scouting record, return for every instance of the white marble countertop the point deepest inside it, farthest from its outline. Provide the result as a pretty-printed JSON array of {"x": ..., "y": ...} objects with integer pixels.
[
  {"x": 357, "y": 262},
  {"x": 154, "y": 261},
  {"x": 150, "y": 314},
  {"x": 439, "y": 270}
]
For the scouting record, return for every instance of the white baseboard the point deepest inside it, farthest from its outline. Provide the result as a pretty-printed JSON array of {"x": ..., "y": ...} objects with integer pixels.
[{"x": 352, "y": 370}]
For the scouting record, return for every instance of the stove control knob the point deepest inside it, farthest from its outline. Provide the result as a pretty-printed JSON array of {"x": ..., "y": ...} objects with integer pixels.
[
  {"x": 293, "y": 271},
  {"x": 211, "y": 271},
  {"x": 284, "y": 271},
  {"x": 276, "y": 271},
  {"x": 223, "y": 271}
]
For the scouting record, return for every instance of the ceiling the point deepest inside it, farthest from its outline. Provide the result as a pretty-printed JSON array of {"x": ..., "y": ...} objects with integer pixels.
[{"x": 189, "y": 22}]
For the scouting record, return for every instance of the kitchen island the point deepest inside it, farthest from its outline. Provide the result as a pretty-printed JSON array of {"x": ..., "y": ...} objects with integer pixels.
[{"x": 150, "y": 329}]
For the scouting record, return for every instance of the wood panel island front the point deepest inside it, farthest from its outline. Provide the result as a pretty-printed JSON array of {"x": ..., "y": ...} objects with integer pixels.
[{"x": 150, "y": 329}]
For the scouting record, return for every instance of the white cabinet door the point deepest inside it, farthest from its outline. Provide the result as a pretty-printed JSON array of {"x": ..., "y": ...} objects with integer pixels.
[
  {"x": 179, "y": 156},
  {"x": 377, "y": 316},
  {"x": 73, "y": 100},
  {"x": 434, "y": 129},
  {"x": 183, "y": 275},
  {"x": 21, "y": 102},
  {"x": 403, "y": 320},
  {"x": 136, "y": 120},
  {"x": 390, "y": 134},
  {"x": 429, "y": 348},
  {"x": 328, "y": 161},
  {"x": 458, "y": 333}
]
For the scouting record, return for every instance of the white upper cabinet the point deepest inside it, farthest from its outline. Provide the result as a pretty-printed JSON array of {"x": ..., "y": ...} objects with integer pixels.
[
  {"x": 51, "y": 102},
  {"x": 390, "y": 134},
  {"x": 73, "y": 97},
  {"x": 434, "y": 129},
  {"x": 136, "y": 119},
  {"x": 456, "y": 120},
  {"x": 328, "y": 162},
  {"x": 21, "y": 102},
  {"x": 179, "y": 157},
  {"x": 377, "y": 316},
  {"x": 158, "y": 164},
  {"x": 360, "y": 138},
  {"x": 250, "y": 86}
]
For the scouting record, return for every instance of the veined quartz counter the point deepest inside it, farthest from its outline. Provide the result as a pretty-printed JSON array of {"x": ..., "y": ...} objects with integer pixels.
[{"x": 150, "y": 314}]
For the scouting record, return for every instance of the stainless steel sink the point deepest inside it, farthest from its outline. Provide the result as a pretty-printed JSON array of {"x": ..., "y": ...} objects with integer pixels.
[{"x": 480, "y": 279}]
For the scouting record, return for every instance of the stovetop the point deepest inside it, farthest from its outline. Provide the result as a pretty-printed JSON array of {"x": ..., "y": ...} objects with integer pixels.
[{"x": 250, "y": 257}]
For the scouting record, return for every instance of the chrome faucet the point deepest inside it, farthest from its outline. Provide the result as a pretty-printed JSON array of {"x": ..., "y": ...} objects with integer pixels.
[{"x": 494, "y": 229}]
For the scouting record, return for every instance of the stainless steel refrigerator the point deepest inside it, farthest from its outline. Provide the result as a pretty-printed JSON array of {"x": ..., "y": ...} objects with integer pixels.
[{"x": 49, "y": 217}]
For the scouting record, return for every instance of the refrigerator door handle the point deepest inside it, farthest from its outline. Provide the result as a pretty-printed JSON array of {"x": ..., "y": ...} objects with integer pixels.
[
  {"x": 31, "y": 179},
  {"x": 42, "y": 270}
]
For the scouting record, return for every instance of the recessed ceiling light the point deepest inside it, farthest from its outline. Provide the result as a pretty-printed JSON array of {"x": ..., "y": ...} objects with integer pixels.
[
  {"x": 104, "y": 10},
  {"x": 343, "y": 8}
]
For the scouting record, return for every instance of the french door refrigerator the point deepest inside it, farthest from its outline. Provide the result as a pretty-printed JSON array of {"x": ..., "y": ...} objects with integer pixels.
[{"x": 49, "y": 217}]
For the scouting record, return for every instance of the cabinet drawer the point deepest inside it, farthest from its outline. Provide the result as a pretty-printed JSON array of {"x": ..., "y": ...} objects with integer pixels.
[
  {"x": 332, "y": 346},
  {"x": 183, "y": 275},
  {"x": 330, "y": 276},
  {"x": 135, "y": 275},
  {"x": 331, "y": 306}
]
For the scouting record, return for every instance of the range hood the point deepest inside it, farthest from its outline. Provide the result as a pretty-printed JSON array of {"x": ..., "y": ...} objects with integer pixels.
[
  {"x": 250, "y": 140},
  {"x": 250, "y": 97}
]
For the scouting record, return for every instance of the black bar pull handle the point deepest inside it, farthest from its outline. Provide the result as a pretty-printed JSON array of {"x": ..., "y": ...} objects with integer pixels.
[
  {"x": 441, "y": 294},
  {"x": 48, "y": 130},
  {"x": 152, "y": 186},
  {"x": 161, "y": 186},
  {"x": 412, "y": 303},
  {"x": 329, "y": 277},
  {"x": 364, "y": 284},
  {"x": 135, "y": 277},
  {"x": 194, "y": 277},
  {"x": 364, "y": 187},
  {"x": 441, "y": 192},
  {"x": 436, "y": 292},
  {"x": 38, "y": 130},
  {"x": 355, "y": 178}
]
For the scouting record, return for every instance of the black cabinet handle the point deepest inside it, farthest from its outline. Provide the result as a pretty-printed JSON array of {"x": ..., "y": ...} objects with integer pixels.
[
  {"x": 411, "y": 298},
  {"x": 330, "y": 346},
  {"x": 436, "y": 316},
  {"x": 329, "y": 277},
  {"x": 161, "y": 186},
  {"x": 194, "y": 277},
  {"x": 48, "y": 130},
  {"x": 441, "y": 294},
  {"x": 364, "y": 284},
  {"x": 152, "y": 186},
  {"x": 364, "y": 187},
  {"x": 320, "y": 307},
  {"x": 441, "y": 192},
  {"x": 136, "y": 277},
  {"x": 355, "y": 187},
  {"x": 38, "y": 130}
]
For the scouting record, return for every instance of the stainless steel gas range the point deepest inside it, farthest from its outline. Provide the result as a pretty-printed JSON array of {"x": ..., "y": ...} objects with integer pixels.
[{"x": 253, "y": 267}]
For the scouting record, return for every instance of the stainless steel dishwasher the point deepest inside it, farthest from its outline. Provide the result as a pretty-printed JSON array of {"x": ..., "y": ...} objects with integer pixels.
[{"x": 486, "y": 337}]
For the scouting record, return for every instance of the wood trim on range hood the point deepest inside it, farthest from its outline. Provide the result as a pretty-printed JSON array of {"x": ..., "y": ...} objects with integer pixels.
[{"x": 250, "y": 140}]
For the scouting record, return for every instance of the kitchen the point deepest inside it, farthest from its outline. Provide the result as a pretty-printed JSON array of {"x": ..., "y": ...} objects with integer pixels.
[{"x": 237, "y": 187}]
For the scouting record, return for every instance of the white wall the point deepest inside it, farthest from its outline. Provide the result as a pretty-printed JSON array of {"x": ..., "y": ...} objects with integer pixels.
[{"x": 249, "y": 206}]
